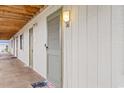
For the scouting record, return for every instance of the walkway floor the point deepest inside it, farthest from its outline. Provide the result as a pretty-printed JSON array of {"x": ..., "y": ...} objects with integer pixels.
[{"x": 14, "y": 73}]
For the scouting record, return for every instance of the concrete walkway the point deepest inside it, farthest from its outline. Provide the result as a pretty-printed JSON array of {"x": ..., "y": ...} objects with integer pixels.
[{"x": 14, "y": 73}]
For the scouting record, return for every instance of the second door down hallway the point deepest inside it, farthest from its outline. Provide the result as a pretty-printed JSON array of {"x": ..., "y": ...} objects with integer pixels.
[{"x": 62, "y": 46}]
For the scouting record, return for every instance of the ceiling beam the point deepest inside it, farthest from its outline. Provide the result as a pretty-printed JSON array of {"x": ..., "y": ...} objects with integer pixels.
[
  {"x": 5, "y": 36},
  {"x": 12, "y": 20},
  {"x": 29, "y": 8},
  {"x": 15, "y": 16},
  {"x": 11, "y": 28},
  {"x": 7, "y": 31},
  {"x": 37, "y": 6},
  {"x": 12, "y": 17},
  {"x": 16, "y": 24},
  {"x": 15, "y": 10}
]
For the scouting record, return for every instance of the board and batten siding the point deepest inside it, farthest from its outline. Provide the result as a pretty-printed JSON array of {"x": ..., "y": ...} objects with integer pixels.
[
  {"x": 118, "y": 46},
  {"x": 93, "y": 45}
]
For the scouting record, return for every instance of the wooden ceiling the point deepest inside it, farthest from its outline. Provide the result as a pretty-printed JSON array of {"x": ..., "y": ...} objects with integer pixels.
[{"x": 14, "y": 17}]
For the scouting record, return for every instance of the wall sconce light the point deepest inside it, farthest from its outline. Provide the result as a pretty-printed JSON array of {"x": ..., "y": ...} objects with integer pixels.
[
  {"x": 35, "y": 24},
  {"x": 66, "y": 18}
]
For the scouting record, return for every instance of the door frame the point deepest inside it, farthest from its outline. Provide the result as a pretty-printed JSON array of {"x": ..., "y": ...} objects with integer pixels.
[
  {"x": 61, "y": 43},
  {"x": 14, "y": 46},
  {"x": 16, "y": 39},
  {"x": 30, "y": 47}
]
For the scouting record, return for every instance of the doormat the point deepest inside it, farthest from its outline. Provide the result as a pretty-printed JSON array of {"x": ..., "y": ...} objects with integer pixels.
[
  {"x": 7, "y": 58},
  {"x": 43, "y": 84},
  {"x": 13, "y": 57}
]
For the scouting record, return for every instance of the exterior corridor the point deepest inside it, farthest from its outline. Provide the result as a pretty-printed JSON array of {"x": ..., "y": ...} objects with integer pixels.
[
  {"x": 70, "y": 46},
  {"x": 15, "y": 74}
]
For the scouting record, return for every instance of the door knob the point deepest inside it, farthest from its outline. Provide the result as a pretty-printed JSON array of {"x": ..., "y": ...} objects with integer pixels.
[{"x": 46, "y": 46}]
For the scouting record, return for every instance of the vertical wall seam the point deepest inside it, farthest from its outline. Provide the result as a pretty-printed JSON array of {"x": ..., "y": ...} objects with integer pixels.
[
  {"x": 111, "y": 47},
  {"x": 87, "y": 42},
  {"x": 73, "y": 28},
  {"x": 66, "y": 56},
  {"x": 78, "y": 48},
  {"x": 71, "y": 45},
  {"x": 97, "y": 47},
  {"x": 77, "y": 17},
  {"x": 66, "y": 65}
]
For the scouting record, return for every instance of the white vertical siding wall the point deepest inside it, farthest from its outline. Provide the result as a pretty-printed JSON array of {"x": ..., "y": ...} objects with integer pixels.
[
  {"x": 93, "y": 45},
  {"x": 118, "y": 46},
  {"x": 83, "y": 47},
  {"x": 96, "y": 41},
  {"x": 104, "y": 46},
  {"x": 74, "y": 46}
]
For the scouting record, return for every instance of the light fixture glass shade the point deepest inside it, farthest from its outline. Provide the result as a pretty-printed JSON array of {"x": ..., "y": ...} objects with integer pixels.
[{"x": 66, "y": 16}]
